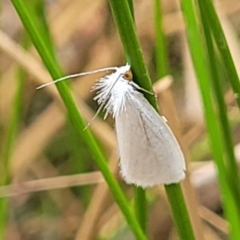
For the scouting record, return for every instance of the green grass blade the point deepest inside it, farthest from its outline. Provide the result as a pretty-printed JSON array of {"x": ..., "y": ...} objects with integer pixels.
[
  {"x": 179, "y": 210},
  {"x": 38, "y": 8},
  {"x": 10, "y": 138},
  {"x": 133, "y": 52},
  {"x": 28, "y": 21},
  {"x": 3, "y": 218},
  {"x": 140, "y": 202},
  {"x": 9, "y": 141},
  {"x": 197, "y": 50},
  {"x": 140, "y": 206},
  {"x": 12, "y": 129},
  {"x": 161, "y": 48},
  {"x": 232, "y": 166},
  {"x": 124, "y": 22},
  {"x": 174, "y": 191},
  {"x": 231, "y": 163},
  {"x": 131, "y": 6},
  {"x": 222, "y": 47}
]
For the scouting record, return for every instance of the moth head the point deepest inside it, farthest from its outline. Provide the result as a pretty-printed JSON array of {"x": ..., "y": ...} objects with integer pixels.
[{"x": 128, "y": 75}]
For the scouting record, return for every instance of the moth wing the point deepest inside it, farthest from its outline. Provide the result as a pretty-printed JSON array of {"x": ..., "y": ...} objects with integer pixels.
[{"x": 149, "y": 152}]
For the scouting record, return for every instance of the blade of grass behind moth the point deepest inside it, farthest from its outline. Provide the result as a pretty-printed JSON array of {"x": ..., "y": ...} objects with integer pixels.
[
  {"x": 38, "y": 7},
  {"x": 10, "y": 137},
  {"x": 162, "y": 68},
  {"x": 231, "y": 163},
  {"x": 124, "y": 22},
  {"x": 140, "y": 202},
  {"x": 197, "y": 50},
  {"x": 223, "y": 48},
  {"x": 232, "y": 166},
  {"x": 131, "y": 7},
  {"x": 28, "y": 21},
  {"x": 161, "y": 47},
  {"x": 133, "y": 52}
]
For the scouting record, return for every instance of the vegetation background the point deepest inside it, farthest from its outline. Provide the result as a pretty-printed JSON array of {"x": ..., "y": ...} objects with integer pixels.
[{"x": 55, "y": 183}]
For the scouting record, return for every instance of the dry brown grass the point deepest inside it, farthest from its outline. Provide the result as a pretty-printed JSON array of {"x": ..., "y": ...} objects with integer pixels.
[{"x": 85, "y": 38}]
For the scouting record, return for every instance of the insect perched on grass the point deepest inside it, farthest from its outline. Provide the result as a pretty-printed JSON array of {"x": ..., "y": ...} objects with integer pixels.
[{"x": 149, "y": 153}]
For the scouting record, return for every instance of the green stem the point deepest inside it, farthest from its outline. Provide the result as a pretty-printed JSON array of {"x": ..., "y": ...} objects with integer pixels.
[
  {"x": 231, "y": 163},
  {"x": 222, "y": 45},
  {"x": 141, "y": 207},
  {"x": 222, "y": 109},
  {"x": 133, "y": 52},
  {"x": 10, "y": 139},
  {"x": 179, "y": 209},
  {"x": 131, "y": 7},
  {"x": 161, "y": 48},
  {"x": 28, "y": 21},
  {"x": 197, "y": 51},
  {"x": 140, "y": 203}
]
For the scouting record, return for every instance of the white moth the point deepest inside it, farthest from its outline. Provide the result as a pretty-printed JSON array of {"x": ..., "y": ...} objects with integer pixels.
[{"x": 149, "y": 153}]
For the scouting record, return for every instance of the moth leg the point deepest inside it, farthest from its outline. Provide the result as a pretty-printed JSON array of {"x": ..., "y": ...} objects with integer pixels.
[{"x": 142, "y": 89}]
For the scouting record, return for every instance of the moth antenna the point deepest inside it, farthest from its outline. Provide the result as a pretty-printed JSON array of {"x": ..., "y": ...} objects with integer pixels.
[{"x": 77, "y": 75}]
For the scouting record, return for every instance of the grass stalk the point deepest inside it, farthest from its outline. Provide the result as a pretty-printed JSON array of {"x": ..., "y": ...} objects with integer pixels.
[
  {"x": 10, "y": 138},
  {"x": 231, "y": 166},
  {"x": 161, "y": 47},
  {"x": 140, "y": 207},
  {"x": 140, "y": 202},
  {"x": 173, "y": 190},
  {"x": 124, "y": 22},
  {"x": 197, "y": 50},
  {"x": 28, "y": 20},
  {"x": 222, "y": 45}
]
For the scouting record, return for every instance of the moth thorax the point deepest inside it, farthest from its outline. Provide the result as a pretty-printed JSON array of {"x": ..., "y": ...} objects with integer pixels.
[{"x": 128, "y": 76}]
